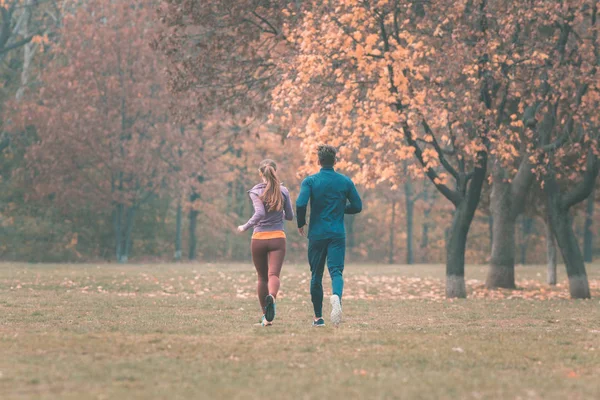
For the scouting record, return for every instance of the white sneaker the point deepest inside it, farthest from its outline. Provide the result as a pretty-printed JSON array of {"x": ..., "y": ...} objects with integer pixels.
[{"x": 336, "y": 310}]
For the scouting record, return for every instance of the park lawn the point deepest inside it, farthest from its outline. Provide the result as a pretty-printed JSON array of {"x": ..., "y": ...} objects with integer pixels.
[{"x": 183, "y": 331}]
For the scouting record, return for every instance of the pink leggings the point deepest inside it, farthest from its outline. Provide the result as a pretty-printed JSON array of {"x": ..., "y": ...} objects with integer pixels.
[{"x": 268, "y": 256}]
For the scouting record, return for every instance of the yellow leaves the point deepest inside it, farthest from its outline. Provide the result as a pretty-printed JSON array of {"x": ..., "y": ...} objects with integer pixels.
[
  {"x": 389, "y": 116},
  {"x": 429, "y": 155},
  {"x": 359, "y": 52},
  {"x": 312, "y": 125},
  {"x": 419, "y": 98},
  {"x": 371, "y": 40},
  {"x": 418, "y": 45},
  {"x": 401, "y": 82},
  {"x": 400, "y": 54},
  {"x": 37, "y": 39},
  {"x": 345, "y": 103},
  {"x": 539, "y": 55},
  {"x": 405, "y": 153}
]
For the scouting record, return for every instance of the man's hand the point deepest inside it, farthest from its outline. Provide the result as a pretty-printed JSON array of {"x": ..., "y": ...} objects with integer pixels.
[
  {"x": 240, "y": 229},
  {"x": 301, "y": 231}
]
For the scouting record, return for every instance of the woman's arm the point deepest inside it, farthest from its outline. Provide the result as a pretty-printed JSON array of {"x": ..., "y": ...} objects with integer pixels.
[{"x": 259, "y": 212}]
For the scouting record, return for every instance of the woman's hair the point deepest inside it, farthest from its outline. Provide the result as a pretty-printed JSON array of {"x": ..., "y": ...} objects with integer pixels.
[{"x": 272, "y": 196}]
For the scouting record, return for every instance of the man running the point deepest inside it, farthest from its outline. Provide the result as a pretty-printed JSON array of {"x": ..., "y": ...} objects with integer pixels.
[{"x": 329, "y": 193}]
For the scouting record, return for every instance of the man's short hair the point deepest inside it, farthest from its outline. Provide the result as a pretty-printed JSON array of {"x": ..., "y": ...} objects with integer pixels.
[{"x": 327, "y": 155}]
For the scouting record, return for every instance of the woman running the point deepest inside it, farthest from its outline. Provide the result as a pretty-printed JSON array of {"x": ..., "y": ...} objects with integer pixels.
[{"x": 271, "y": 201}]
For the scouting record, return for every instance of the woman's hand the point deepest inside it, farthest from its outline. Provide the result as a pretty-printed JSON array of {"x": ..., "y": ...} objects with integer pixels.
[{"x": 240, "y": 229}]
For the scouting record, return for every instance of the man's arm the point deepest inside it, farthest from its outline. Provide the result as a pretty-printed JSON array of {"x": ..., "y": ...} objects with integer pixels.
[
  {"x": 355, "y": 205},
  {"x": 302, "y": 203},
  {"x": 287, "y": 206}
]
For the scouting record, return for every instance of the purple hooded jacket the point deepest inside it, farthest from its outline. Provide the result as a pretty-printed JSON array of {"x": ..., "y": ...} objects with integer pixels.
[{"x": 264, "y": 220}]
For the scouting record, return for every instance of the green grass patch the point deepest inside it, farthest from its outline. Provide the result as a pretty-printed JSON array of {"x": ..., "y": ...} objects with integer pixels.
[{"x": 189, "y": 331}]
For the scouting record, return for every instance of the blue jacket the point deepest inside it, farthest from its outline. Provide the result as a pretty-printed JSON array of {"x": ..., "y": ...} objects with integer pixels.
[{"x": 329, "y": 193}]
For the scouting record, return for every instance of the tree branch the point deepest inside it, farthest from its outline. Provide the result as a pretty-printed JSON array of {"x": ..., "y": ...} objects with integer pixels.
[
  {"x": 474, "y": 191},
  {"x": 502, "y": 106},
  {"x": 439, "y": 150},
  {"x": 569, "y": 125},
  {"x": 18, "y": 44},
  {"x": 264, "y": 21},
  {"x": 520, "y": 185},
  {"x": 5, "y": 32},
  {"x": 586, "y": 186},
  {"x": 396, "y": 33},
  {"x": 450, "y": 194}
]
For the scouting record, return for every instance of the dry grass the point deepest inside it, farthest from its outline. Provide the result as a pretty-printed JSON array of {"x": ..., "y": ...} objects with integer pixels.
[{"x": 187, "y": 331}]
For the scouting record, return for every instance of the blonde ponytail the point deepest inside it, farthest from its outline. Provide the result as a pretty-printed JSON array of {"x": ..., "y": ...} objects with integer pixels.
[{"x": 272, "y": 196}]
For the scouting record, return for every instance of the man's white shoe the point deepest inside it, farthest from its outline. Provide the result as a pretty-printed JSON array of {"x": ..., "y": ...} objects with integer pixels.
[{"x": 336, "y": 310}]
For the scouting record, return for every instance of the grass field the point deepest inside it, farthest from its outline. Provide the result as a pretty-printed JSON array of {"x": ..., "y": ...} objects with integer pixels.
[{"x": 188, "y": 332}]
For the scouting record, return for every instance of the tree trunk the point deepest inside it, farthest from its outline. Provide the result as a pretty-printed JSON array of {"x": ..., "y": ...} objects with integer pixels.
[
  {"x": 178, "y": 224},
  {"x": 588, "y": 235},
  {"x": 550, "y": 254},
  {"x": 527, "y": 225},
  {"x": 117, "y": 223},
  {"x": 502, "y": 264},
  {"x": 561, "y": 223},
  {"x": 461, "y": 223},
  {"x": 242, "y": 201},
  {"x": 425, "y": 241},
  {"x": 128, "y": 235},
  {"x": 491, "y": 229},
  {"x": 410, "y": 205},
  {"x": 392, "y": 230},
  {"x": 28, "y": 49},
  {"x": 465, "y": 200},
  {"x": 455, "y": 253},
  {"x": 123, "y": 219},
  {"x": 193, "y": 220},
  {"x": 228, "y": 236},
  {"x": 507, "y": 203},
  {"x": 425, "y": 228},
  {"x": 562, "y": 226}
]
